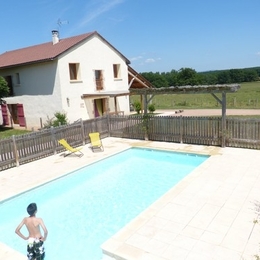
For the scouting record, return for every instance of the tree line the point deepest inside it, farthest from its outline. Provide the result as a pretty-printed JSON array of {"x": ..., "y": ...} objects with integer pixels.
[
  {"x": 4, "y": 89},
  {"x": 189, "y": 76}
]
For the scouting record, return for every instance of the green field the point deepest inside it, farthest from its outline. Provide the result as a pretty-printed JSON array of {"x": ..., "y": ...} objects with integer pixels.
[
  {"x": 248, "y": 96},
  {"x": 6, "y": 132}
]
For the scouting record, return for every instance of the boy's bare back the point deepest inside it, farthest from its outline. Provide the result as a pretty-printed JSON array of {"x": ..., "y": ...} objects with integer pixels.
[{"x": 33, "y": 225}]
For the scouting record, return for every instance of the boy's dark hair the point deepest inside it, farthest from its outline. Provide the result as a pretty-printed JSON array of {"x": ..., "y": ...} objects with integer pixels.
[{"x": 31, "y": 209}]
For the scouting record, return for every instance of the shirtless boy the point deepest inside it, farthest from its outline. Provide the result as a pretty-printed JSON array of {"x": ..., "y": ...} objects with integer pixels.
[{"x": 35, "y": 248}]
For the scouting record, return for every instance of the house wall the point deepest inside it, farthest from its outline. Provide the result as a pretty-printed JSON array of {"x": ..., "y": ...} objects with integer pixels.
[
  {"x": 46, "y": 88},
  {"x": 93, "y": 54},
  {"x": 38, "y": 91}
]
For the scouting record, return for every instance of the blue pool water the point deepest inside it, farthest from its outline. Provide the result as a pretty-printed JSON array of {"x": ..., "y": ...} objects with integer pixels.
[{"x": 83, "y": 209}]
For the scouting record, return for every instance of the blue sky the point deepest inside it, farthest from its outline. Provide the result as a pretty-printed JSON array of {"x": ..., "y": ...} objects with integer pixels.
[{"x": 155, "y": 35}]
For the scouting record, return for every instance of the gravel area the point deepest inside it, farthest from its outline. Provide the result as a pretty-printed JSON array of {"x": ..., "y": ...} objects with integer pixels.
[{"x": 209, "y": 112}]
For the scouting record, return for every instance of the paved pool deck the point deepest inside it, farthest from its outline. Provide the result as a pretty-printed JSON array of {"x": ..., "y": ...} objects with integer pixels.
[{"x": 210, "y": 214}]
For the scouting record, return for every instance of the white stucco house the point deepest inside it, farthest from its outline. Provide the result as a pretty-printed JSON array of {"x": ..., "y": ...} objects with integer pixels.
[{"x": 83, "y": 76}]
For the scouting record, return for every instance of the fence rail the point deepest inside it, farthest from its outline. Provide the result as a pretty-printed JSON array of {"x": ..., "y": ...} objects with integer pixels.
[{"x": 240, "y": 133}]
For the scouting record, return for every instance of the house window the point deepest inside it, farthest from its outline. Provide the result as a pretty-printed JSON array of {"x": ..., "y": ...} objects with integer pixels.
[
  {"x": 99, "y": 79},
  {"x": 17, "y": 77},
  {"x": 116, "y": 70},
  {"x": 74, "y": 71}
]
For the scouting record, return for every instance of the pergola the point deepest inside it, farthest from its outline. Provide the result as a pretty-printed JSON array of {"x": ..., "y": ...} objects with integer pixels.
[{"x": 202, "y": 89}]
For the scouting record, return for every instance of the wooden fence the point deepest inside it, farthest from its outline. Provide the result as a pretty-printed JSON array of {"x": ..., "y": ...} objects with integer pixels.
[{"x": 241, "y": 133}]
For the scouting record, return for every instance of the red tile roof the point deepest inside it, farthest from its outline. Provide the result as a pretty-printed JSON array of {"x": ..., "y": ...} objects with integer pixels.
[{"x": 42, "y": 52}]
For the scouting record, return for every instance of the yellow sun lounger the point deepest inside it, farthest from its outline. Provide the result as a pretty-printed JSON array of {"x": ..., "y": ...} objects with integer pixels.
[
  {"x": 72, "y": 150},
  {"x": 95, "y": 141}
]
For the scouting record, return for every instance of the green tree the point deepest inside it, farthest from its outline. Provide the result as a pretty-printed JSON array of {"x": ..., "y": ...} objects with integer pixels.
[
  {"x": 210, "y": 79},
  {"x": 236, "y": 75},
  {"x": 224, "y": 77},
  {"x": 171, "y": 77},
  {"x": 4, "y": 89},
  {"x": 156, "y": 79},
  {"x": 250, "y": 75},
  {"x": 188, "y": 76}
]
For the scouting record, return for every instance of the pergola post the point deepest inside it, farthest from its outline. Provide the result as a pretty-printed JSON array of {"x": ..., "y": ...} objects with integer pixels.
[
  {"x": 224, "y": 106},
  {"x": 223, "y": 103},
  {"x": 142, "y": 105},
  {"x": 115, "y": 104},
  {"x": 145, "y": 103}
]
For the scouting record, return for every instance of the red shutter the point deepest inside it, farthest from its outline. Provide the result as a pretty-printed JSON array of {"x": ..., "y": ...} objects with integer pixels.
[
  {"x": 20, "y": 115},
  {"x": 5, "y": 114}
]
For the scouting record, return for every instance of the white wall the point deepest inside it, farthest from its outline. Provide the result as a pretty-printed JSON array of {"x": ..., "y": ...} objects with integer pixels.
[
  {"x": 40, "y": 83},
  {"x": 92, "y": 55}
]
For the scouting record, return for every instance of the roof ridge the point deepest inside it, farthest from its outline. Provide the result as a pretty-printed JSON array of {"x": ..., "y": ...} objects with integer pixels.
[
  {"x": 61, "y": 39},
  {"x": 41, "y": 52}
]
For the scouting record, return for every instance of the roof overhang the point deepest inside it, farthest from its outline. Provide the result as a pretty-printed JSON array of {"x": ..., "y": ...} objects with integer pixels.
[
  {"x": 106, "y": 94},
  {"x": 136, "y": 80}
]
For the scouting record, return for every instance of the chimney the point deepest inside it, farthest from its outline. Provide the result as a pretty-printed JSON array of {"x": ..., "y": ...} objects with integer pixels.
[{"x": 55, "y": 36}]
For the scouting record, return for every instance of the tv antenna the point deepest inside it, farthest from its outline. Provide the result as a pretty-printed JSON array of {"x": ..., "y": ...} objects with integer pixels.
[{"x": 60, "y": 22}]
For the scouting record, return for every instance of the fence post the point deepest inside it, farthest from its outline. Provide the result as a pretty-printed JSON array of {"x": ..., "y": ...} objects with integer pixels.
[
  {"x": 82, "y": 132},
  {"x": 15, "y": 151},
  {"x": 181, "y": 129},
  {"x": 145, "y": 119},
  {"x": 108, "y": 125},
  {"x": 53, "y": 140},
  {"x": 224, "y": 131},
  {"x": 95, "y": 120}
]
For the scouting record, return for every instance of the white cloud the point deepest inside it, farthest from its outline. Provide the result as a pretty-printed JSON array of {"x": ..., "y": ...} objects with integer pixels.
[
  {"x": 258, "y": 53},
  {"x": 104, "y": 7},
  {"x": 150, "y": 60},
  {"x": 136, "y": 58}
]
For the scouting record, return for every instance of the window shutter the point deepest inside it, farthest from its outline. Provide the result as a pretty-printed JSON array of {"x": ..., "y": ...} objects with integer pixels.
[
  {"x": 20, "y": 114},
  {"x": 5, "y": 114}
]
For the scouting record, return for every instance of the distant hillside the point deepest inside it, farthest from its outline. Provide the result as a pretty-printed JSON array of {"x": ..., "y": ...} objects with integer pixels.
[{"x": 257, "y": 69}]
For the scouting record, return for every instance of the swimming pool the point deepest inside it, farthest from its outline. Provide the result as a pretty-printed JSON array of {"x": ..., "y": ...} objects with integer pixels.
[{"x": 85, "y": 208}]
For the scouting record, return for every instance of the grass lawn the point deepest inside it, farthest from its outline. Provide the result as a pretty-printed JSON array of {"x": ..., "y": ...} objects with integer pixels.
[{"x": 6, "y": 132}]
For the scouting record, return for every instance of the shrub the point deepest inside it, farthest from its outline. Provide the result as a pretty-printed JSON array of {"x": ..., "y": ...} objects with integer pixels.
[
  {"x": 58, "y": 119},
  {"x": 151, "y": 108},
  {"x": 137, "y": 106}
]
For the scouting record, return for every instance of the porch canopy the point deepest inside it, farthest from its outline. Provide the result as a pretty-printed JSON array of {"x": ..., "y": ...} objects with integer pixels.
[
  {"x": 107, "y": 94},
  {"x": 200, "y": 89}
]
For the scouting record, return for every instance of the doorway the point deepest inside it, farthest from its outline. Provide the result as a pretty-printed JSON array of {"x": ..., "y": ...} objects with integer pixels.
[
  {"x": 100, "y": 107},
  {"x": 15, "y": 112}
]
